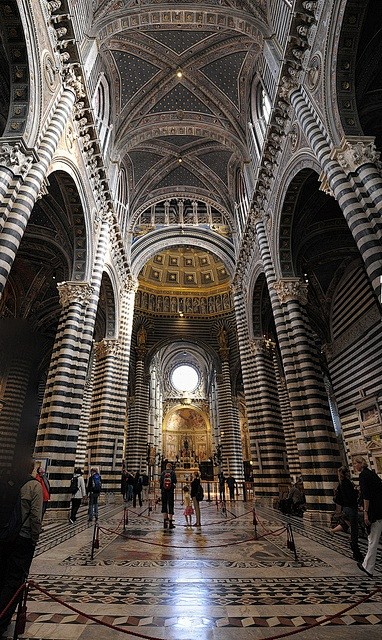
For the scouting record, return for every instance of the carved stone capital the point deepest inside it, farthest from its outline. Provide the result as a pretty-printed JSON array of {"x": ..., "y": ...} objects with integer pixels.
[
  {"x": 289, "y": 289},
  {"x": 73, "y": 81},
  {"x": 106, "y": 215},
  {"x": 257, "y": 346},
  {"x": 324, "y": 184},
  {"x": 75, "y": 292},
  {"x": 355, "y": 151},
  {"x": 14, "y": 158},
  {"x": 255, "y": 216},
  {"x": 236, "y": 286},
  {"x": 288, "y": 86},
  {"x": 107, "y": 347},
  {"x": 129, "y": 285}
]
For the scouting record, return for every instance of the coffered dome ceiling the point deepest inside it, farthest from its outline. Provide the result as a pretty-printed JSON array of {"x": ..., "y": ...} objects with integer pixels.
[
  {"x": 180, "y": 75},
  {"x": 184, "y": 269}
]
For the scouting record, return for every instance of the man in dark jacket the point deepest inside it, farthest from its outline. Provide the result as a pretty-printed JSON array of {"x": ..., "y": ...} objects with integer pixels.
[
  {"x": 17, "y": 553},
  {"x": 371, "y": 493},
  {"x": 93, "y": 489},
  {"x": 167, "y": 486}
]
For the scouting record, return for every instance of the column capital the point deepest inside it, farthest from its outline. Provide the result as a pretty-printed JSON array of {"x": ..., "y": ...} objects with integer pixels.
[
  {"x": 80, "y": 292},
  {"x": 129, "y": 285},
  {"x": 354, "y": 151},
  {"x": 261, "y": 345},
  {"x": 289, "y": 84},
  {"x": 324, "y": 184},
  {"x": 256, "y": 215},
  {"x": 107, "y": 347},
  {"x": 289, "y": 289},
  {"x": 74, "y": 82},
  {"x": 14, "y": 157},
  {"x": 236, "y": 286}
]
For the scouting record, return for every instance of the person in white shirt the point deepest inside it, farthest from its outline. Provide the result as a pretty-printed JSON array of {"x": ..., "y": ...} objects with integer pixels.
[{"x": 77, "y": 497}]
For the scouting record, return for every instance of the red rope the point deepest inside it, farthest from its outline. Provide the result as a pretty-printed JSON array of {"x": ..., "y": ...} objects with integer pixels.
[
  {"x": 172, "y": 546},
  {"x": 312, "y": 625},
  {"x": 10, "y": 603},
  {"x": 326, "y": 619}
]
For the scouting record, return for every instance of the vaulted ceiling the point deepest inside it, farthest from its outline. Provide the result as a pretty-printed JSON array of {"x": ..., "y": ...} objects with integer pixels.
[{"x": 180, "y": 75}]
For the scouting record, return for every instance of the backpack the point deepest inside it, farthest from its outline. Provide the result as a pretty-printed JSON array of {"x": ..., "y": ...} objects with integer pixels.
[
  {"x": 74, "y": 485},
  {"x": 200, "y": 493},
  {"x": 167, "y": 480},
  {"x": 11, "y": 519},
  {"x": 96, "y": 480}
]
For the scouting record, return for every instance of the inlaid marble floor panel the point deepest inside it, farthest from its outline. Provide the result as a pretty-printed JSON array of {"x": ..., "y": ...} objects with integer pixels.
[{"x": 225, "y": 581}]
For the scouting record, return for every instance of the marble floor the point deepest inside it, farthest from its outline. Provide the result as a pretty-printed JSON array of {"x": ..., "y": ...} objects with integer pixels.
[{"x": 228, "y": 580}]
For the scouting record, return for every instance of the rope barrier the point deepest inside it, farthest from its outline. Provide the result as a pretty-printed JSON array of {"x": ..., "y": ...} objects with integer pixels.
[
  {"x": 312, "y": 625},
  {"x": 277, "y": 532},
  {"x": 10, "y": 603}
]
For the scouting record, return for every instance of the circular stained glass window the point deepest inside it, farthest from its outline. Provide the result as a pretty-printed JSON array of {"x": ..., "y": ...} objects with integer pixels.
[{"x": 185, "y": 378}]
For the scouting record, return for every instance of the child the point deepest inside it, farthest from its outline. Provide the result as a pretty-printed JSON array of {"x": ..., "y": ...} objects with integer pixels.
[{"x": 188, "y": 510}]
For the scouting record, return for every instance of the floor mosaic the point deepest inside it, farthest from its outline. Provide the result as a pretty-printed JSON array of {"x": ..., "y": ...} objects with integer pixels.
[{"x": 214, "y": 583}]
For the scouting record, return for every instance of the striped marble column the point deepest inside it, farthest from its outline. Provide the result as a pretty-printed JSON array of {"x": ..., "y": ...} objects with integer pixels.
[
  {"x": 139, "y": 411},
  {"x": 16, "y": 376},
  {"x": 287, "y": 420},
  {"x": 263, "y": 410},
  {"x": 368, "y": 243},
  {"x": 315, "y": 436},
  {"x": 61, "y": 410},
  {"x": 318, "y": 470},
  {"x": 15, "y": 162},
  {"x": 270, "y": 441},
  {"x": 230, "y": 437},
  {"x": 358, "y": 157},
  {"x": 107, "y": 416},
  {"x": 20, "y": 199},
  {"x": 213, "y": 407},
  {"x": 82, "y": 459}
]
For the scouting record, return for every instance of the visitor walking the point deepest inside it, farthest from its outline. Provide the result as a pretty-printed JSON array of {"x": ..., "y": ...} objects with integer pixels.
[
  {"x": 93, "y": 491},
  {"x": 195, "y": 493},
  {"x": 78, "y": 491},
  {"x": 371, "y": 494}
]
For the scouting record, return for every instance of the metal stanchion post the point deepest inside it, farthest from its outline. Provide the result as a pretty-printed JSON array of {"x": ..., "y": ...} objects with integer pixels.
[
  {"x": 95, "y": 540},
  {"x": 290, "y": 541},
  {"x": 208, "y": 492},
  {"x": 21, "y": 616},
  {"x": 255, "y": 521},
  {"x": 244, "y": 492}
]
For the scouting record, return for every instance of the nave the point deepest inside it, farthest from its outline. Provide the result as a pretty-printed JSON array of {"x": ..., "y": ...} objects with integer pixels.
[{"x": 227, "y": 580}]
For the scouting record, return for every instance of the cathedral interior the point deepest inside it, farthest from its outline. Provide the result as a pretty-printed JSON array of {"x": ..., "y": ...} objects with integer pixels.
[{"x": 191, "y": 272}]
